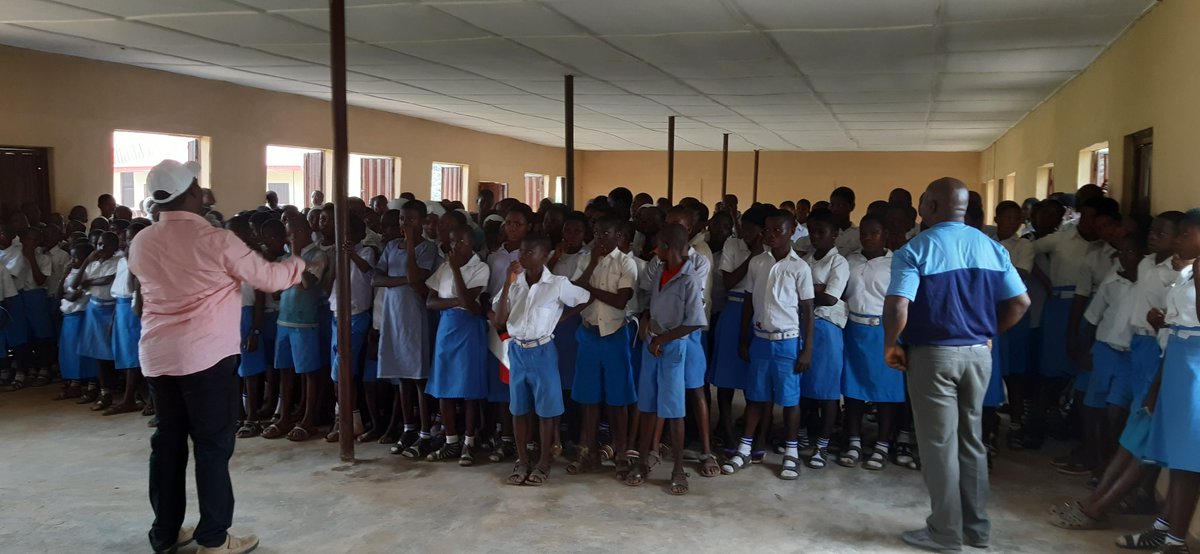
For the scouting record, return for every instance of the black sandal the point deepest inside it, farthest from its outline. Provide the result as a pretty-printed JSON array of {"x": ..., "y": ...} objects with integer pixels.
[
  {"x": 538, "y": 476},
  {"x": 637, "y": 475},
  {"x": 519, "y": 474},
  {"x": 582, "y": 462},
  {"x": 679, "y": 483},
  {"x": 1146, "y": 540},
  {"x": 850, "y": 457},
  {"x": 876, "y": 461},
  {"x": 623, "y": 468}
]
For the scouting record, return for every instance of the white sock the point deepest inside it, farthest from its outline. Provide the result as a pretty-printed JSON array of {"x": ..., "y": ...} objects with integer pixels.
[
  {"x": 451, "y": 439},
  {"x": 469, "y": 440},
  {"x": 856, "y": 442},
  {"x": 745, "y": 445},
  {"x": 1172, "y": 539},
  {"x": 1162, "y": 525},
  {"x": 409, "y": 428},
  {"x": 791, "y": 448}
]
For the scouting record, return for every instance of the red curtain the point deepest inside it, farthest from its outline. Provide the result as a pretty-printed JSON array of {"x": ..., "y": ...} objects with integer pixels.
[
  {"x": 535, "y": 189},
  {"x": 377, "y": 177},
  {"x": 452, "y": 183},
  {"x": 314, "y": 175}
]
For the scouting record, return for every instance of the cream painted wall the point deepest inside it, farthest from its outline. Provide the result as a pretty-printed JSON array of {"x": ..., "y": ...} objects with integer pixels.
[
  {"x": 782, "y": 175},
  {"x": 1147, "y": 78},
  {"x": 72, "y": 105}
]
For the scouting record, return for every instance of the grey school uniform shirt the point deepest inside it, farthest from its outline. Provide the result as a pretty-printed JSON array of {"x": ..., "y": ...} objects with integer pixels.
[{"x": 680, "y": 302}]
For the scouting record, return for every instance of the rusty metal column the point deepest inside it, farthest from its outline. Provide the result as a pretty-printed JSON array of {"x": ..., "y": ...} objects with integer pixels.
[
  {"x": 569, "y": 118},
  {"x": 755, "y": 197},
  {"x": 724, "y": 166},
  {"x": 341, "y": 170}
]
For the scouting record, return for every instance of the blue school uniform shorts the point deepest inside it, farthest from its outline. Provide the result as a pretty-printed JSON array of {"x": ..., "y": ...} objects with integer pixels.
[
  {"x": 1130, "y": 390},
  {"x": 1107, "y": 364},
  {"x": 695, "y": 362},
  {"x": 127, "y": 330},
  {"x": 297, "y": 348},
  {"x": 360, "y": 324},
  {"x": 1055, "y": 363},
  {"x": 566, "y": 343},
  {"x": 662, "y": 386},
  {"x": 728, "y": 368},
  {"x": 604, "y": 367},
  {"x": 772, "y": 376},
  {"x": 533, "y": 380},
  {"x": 257, "y": 362}
]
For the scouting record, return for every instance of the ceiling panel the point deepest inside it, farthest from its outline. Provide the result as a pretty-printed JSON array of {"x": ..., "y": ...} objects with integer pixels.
[{"x": 811, "y": 74}]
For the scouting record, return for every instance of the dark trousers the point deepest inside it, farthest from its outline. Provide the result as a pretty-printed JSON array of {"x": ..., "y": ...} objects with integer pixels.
[{"x": 203, "y": 406}]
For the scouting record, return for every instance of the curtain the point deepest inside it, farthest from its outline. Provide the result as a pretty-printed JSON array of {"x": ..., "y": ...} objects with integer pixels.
[
  {"x": 377, "y": 177},
  {"x": 452, "y": 183},
  {"x": 535, "y": 189},
  {"x": 314, "y": 175}
]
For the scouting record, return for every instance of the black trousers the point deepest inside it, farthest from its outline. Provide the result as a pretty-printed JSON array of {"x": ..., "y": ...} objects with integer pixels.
[{"x": 203, "y": 406}]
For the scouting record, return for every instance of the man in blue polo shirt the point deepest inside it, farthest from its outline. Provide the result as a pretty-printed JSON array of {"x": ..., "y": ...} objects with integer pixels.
[{"x": 952, "y": 290}]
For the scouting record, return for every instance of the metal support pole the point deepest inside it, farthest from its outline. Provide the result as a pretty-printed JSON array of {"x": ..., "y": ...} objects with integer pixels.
[
  {"x": 671, "y": 159},
  {"x": 724, "y": 166},
  {"x": 341, "y": 167},
  {"x": 755, "y": 197},
  {"x": 569, "y": 118}
]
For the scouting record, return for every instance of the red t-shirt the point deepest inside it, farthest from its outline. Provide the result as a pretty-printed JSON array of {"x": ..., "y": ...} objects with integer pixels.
[{"x": 667, "y": 274}]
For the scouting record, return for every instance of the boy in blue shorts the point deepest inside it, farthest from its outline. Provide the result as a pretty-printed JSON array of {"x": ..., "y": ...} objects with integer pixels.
[
  {"x": 259, "y": 313},
  {"x": 530, "y": 305},
  {"x": 362, "y": 296},
  {"x": 674, "y": 312},
  {"x": 780, "y": 288},
  {"x": 297, "y": 350},
  {"x": 604, "y": 364}
]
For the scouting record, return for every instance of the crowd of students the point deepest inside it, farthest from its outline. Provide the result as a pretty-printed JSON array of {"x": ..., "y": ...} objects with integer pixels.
[{"x": 515, "y": 334}]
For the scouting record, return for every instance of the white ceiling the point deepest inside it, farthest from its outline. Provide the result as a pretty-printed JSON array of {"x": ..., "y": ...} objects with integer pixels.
[{"x": 776, "y": 74}]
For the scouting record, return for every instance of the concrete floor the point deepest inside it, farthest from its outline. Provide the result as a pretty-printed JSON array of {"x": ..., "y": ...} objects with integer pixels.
[{"x": 72, "y": 480}]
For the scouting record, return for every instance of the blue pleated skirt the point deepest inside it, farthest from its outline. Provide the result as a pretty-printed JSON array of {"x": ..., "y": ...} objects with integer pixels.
[
  {"x": 70, "y": 363},
  {"x": 96, "y": 340},
  {"x": 867, "y": 376},
  {"x": 823, "y": 381},
  {"x": 127, "y": 331},
  {"x": 728, "y": 368},
  {"x": 1175, "y": 430},
  {"x": 460, "y": 357}
]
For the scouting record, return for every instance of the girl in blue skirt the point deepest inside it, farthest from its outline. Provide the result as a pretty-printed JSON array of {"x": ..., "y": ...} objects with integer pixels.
[
  {"x": 76, "y": 370},
  {"x": 95, "y": 341},
  {"x": 1175, "y": 428},
  {"x": 460, "y": 352},
  {"x": 822, "y": 383},
  {"x": 127, "y": 328},
  {"x": 867, "y": 378},
  {"x": 729, "y": 369}
]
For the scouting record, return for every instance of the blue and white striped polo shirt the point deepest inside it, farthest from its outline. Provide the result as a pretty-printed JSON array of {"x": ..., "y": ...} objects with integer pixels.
[{"x": 954, "y": 276}]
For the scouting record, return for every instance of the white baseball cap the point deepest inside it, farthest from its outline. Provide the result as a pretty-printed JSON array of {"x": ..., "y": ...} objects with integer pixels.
[{"x": 170, "y": 179}]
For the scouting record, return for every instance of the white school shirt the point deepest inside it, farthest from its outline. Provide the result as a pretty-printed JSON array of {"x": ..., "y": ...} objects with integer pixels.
[
  {"x": 498, "y": 262},
  {"x": 362, "y": 294},
  {"x": 613, "y": 272},
  {"x": 8, "y": 287},
  {"x": 98, "y": 269},
  {"x": 59, "y": 260},
  {"x": 1020, "y": 252},
  {"x": 733, "y": 255},
  {"x": 18, "y": 267},
  {"x": 639, "y": 299},
  {"x": 777, "y": 288},
  {"x": 848, "y": 240},
  {"x": 122, "y": 285},
  {"x": 1066, "y": 250},
  {"x": 1181, "y": 301},
  {"x": 1098, "y": 263},
  {"x": 1109, "y": 312},
  {"x": 1150, "y": 291},
  {"x": 833, "y": 271},
  {"x": 868, "y": 283},
  {"x": 68, "y": 307},
  {"x": 534, "y": 311},
  {"x": 700, "y": 246},
  {"x": 568, "y": 265},
  {"x": 475, "y": 274},
  {"x": 800, "y": 232},
  {"x": 1038, "y": 292}
]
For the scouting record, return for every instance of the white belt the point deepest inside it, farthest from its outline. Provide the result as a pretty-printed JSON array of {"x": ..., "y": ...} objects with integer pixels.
[
  {"x": 738, "y": 299},
  {"x": 1143, "y": 332},
  {"x": 1067, "y": 291},
  {"x": 870, "y": 320},
  {"x": 533, "y": 343},
  {"x": 776, "y": 335},
  {"x": 1185, "y": 332}
]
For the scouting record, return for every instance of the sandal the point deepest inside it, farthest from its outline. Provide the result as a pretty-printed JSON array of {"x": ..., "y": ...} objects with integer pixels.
[
  {"x": 40, "y": 381},
  {"x": 1073, "y": 518},
  {"x": 249, "y": 429},
  {"x": 709, "y": 466},
  {"x": 372, "y": 434},
  {"x": 406, "y": 440},
  {"x": 679, "y": 483},
  {"x": 68, "y": 392},
  {"x": 118, "y": 409},
  {"x": 1138, "y": 503},
  {"x": 582, "y": 462},
  {"x": 791, "y": 468},
  {"x": 504, "y": 451},
  {"x": 273, "y": 431},
  {"x": 467, "y": 458},
  {"x": 519, "y": 474},
  {"x": 88, "y": 397},
  {"x": 418, "y": 450},
  {"x": 850, "y": 457},
  {"x": 735, "y": 463},
  {"x": 904, "y": 456},
  {"x": 102, "y": 403},
  {"x": 15, "y": 386},
  {"x": 446, "y": 452},
  {"x": 623, "y": 467},
  {"x": 334, "y": 435},
  {"x": 1146, "y": 540},
  {"x": 538, "y": 476},
  {"x": 606, "y": 453},
  {"x": 818, "y": 459},
  {"x": 637, "y": 475},
  {"x": 876, "y": 461},
  {"x": 300, "y": 434}
]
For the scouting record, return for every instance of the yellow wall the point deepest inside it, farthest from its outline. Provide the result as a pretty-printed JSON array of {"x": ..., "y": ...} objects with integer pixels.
[
  {"x": 1147, "y": 78},
  {"x": 782, "y": 175},
  {"x": 72, "y": 105}
]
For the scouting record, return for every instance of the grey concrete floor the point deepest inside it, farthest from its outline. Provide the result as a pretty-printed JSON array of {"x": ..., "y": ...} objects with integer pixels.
[{"x": 74, "y": 481}]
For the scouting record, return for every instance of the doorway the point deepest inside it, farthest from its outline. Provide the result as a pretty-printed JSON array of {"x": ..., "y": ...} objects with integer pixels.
[
  {"x": 1139, "y": 152},
  {"x": 25, "y": 173}
]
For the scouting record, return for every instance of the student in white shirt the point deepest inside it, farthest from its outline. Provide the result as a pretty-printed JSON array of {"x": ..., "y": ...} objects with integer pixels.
[
  {"x": 841, "y": 205},
  {"x": 822, "y": 384},
  {"x": 362, "y": 298},
  {"x": 127, "y": 328},
  {"x": 460, "y": 350},
  {"x": 530, "y": 304},
  {"x": 515, "y": 226},
  {"x": 97, "y": 277},
  {"x": 1011, "y": 352},
  {"x": 31, "y": 329},
  {"x": 780, "y": 288},
  {"x": 867, "y": 377},
  {"x": 77, "y": 371}
]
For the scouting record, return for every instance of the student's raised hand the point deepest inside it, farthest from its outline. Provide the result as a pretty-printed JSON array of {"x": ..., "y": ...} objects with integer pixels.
[
  {"x": 896, "y": 357},
  {"x": 1157, "y": 318},
  {"x": 514, "y": 269}
]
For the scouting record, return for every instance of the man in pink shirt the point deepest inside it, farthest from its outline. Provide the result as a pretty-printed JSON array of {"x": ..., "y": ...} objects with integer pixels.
[{"x": 191, "y": 275}]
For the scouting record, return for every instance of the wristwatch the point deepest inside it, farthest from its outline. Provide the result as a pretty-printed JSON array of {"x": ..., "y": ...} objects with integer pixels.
[{"x": 256, "y": 332}]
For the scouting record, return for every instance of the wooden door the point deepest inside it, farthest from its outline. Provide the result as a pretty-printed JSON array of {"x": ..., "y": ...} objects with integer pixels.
[{"x": 24, "y": 177}]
